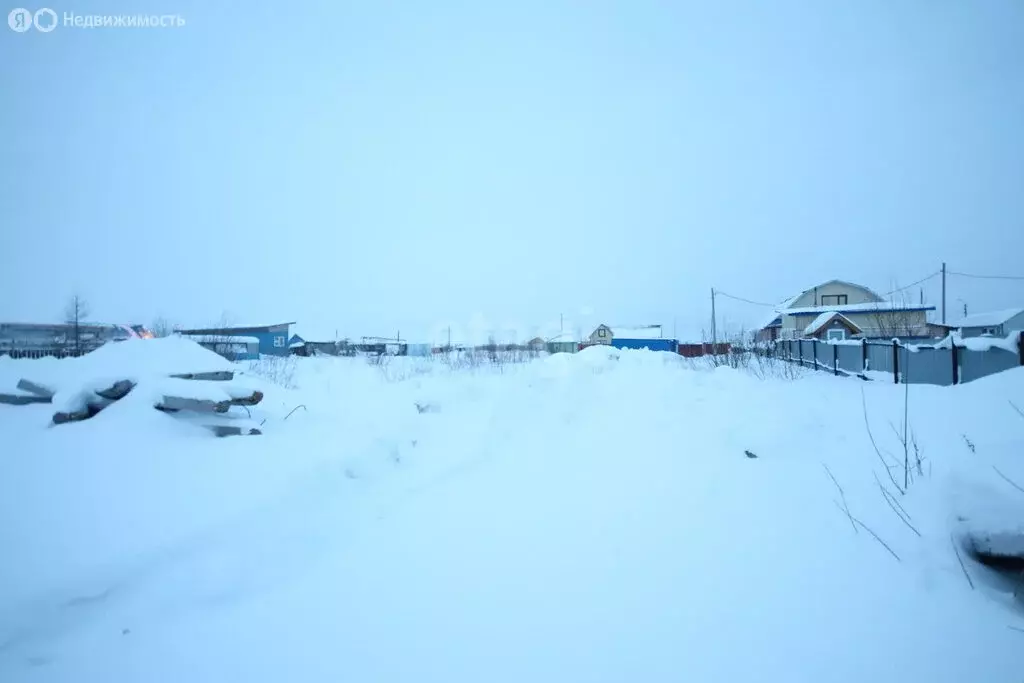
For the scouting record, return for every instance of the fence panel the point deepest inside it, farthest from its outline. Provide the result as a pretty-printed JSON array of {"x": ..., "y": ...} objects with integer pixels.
[
  {"x": 926, "y": 366},
  {"x": 823, "y": 355},
  {"x": 977, "y": 364},
  {"x": 880, "y": 357},
  {"x": 851, "y": 358}
]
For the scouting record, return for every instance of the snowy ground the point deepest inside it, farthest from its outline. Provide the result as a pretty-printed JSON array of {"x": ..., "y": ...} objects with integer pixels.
[{"x": 591, "y": 517}]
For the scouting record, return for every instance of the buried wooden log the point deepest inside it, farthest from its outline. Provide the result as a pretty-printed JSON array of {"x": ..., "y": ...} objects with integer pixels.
[
  {"x": 231, "y": 430},
  {"x": 117, "y": 390},
  {"x": 172, "y": 404},
  {"x": 23, "y": 399},
  {"x": 216, "y": 376},
  {"x": 247, "y": 400},
  {"x": 37, "y": 389},
  {"x": 77, "y": 415},
  {"x": 94, "y": 403}
]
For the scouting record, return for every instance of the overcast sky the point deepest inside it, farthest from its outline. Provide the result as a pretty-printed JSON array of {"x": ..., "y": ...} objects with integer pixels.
[{"x": 381, "y": 166}]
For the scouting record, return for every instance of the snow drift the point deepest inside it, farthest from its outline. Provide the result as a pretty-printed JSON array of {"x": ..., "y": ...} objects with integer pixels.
[{"x": 587, "y": 517}]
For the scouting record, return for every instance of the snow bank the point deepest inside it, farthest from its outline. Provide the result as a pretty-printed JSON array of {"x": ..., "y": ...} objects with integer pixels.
[
  {"x": 131, "y": 359},
  {"x": 583, "y": 517}
]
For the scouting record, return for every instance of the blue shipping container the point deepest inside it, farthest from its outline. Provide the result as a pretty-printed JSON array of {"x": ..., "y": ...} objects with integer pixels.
[{"x": 670, "y": 345}]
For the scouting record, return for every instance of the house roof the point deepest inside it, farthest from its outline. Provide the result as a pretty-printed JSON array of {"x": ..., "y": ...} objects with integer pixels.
[
  {"x": 988, "y": 318},
  {"x": 563, "y": 337},
  {"x": 866, "y": 307},
  {"x": 825, "y": 318},
  {"x": 222, "y": 338},
  {"x": 235, "y": 329},
  {"x": 784, "y": 306},
  {"x": 644, "y": 332}
]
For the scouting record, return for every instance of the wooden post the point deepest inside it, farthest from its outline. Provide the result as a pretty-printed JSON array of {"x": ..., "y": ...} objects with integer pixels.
[
  {"x": 835, "y": 359},
  {"x": 1020, "y": 347},
  {"x": 956, "y": 360},
  {"x": 895, "y": 361},
  {"x": 863, "y": 355},
  {"x": 800, "y": 348}
]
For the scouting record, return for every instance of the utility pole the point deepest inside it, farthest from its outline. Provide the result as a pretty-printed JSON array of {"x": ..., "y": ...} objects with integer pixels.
[
  {"x": 943, "y": 292},
  {"x": 714, "y": 330}
]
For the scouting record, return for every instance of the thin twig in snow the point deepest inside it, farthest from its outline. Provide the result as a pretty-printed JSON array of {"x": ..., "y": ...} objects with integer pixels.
[
  {"x": 867, "y": 424},
  {"x": 884, "y": 544},
  {"x": 962, "y": 566},
  {"x": 1019, "y": 411},
  {"x": 1011, "y": 482},
  {"x": 294, "y": 409},
  {"x": 894, "y": 499},
  {"x": 846, "y": 511},
  {"x": 842, "y": 494},
  {"x": 889, "y": 498}
]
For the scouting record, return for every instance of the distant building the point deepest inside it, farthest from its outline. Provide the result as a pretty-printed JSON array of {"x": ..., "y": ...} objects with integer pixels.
[
  {"x": 992, "y": 323},
  {"x": 861, "y": 308},
  {"x": 604, "y": 334},
  {"x": 231, "y": 347},
  {"x": 33, "y": 340},
  {"x": 273, "y": 339}
]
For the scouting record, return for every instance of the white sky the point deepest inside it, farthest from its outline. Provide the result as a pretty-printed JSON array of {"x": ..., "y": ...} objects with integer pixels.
[{"x": 373, "y": 167}]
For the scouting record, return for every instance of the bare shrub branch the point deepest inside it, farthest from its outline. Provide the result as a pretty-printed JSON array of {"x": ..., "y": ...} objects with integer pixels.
[
  {"x": 958, "y": 557},
  {"x": 867, "y": 425},
  {"x": 842, "y": 494},
  {"x": 1009, "y": 481},
  {"x": 895, "y": 506}
]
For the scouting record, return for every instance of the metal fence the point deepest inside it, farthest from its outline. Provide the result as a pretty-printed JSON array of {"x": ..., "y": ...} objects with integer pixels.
[{"x": 942, "y": 364}]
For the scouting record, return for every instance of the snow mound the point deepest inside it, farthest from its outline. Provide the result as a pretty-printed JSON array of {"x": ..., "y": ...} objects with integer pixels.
[{"x": 132, "y": 359}]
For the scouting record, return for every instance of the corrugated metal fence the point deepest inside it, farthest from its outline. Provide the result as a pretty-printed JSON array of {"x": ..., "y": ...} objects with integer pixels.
[{"x": 942, "y": 364}]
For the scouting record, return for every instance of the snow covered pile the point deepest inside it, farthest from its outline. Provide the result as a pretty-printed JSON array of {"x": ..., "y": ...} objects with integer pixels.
[
  {"x": 137, "y": 374},
  {"x": 583, "y": 517}
]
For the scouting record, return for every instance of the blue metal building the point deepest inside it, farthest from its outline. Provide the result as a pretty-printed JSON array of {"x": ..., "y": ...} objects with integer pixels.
[
  {"x": 670, "y": 345},
  {"x": 273, "y": 339}
]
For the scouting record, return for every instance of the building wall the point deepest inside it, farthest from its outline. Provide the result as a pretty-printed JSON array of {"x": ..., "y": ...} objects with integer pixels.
[
  {"x": 652, "y": 344},
  {"x": 855, "y": 294},
  {"x": 1014, "y": 324},
  {"x": 596, "y": 338},
  {"x": 273, "y": 340},
  {"x": 874, "y": 324}
]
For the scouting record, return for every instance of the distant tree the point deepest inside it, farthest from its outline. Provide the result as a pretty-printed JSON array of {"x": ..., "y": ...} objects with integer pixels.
[
  {"x": 892, "y": 322},
  {"x": 75, "y": 312},
  {"x": 161, "y": 327}
]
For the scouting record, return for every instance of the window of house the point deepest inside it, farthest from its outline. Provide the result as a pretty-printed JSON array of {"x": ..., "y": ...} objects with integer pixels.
[
  {"x": 833, "y": 300},
  {"x": 837, "y": 333},
  {"x": 279, "y": 342},
  {"x": 600, "y": 332},
  {"x": 989, "y": 330}
]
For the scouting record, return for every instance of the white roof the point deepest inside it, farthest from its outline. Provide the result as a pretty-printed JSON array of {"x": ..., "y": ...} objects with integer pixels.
[
  {"x": 866, "y": 307},
  {"x": 222, "y": 338},
  {"x": 317, "y": 334},
  {"x": 824, "y": 318},
  {"x": 988, "y": 319},
  {"x": 646, "y": 332},
  {"x": 563, "y": 337}
]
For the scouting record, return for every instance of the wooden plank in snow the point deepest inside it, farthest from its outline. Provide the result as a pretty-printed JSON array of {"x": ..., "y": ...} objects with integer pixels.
[
  {"x": 250, "y": 400},
  {"x": 216, "y": 376},
  {"x": 117, "y": 390},
  {"x": 37, "y": 389},
  {"x": 172, "y": 404},
  {"x": 231, "y": 430},
  {"x": 22, "y": 399}
]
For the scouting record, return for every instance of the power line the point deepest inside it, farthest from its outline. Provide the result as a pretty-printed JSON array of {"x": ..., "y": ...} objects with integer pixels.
[
  {"x": 987, "y": 277},
  {"x": 746, "y": 301},
  {"x": 914, "y": 284}
]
